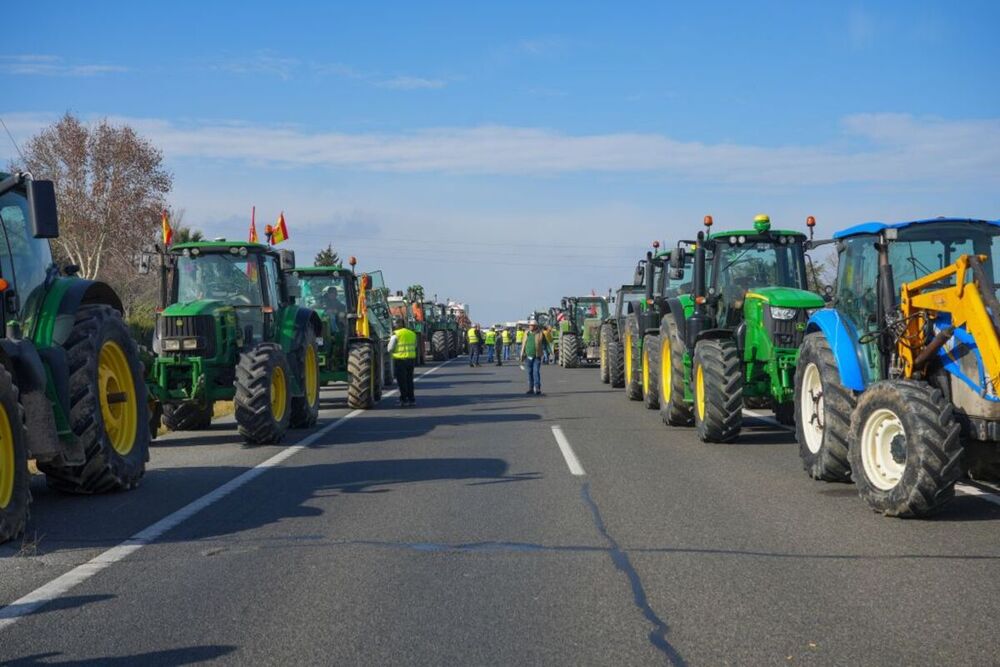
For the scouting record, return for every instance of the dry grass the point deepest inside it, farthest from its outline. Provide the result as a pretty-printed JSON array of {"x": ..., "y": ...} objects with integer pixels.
[{"x": 223, "y": 408}]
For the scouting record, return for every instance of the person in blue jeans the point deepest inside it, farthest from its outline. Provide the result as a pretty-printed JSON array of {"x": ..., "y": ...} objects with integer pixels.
[{"x": 532, "y": 349}]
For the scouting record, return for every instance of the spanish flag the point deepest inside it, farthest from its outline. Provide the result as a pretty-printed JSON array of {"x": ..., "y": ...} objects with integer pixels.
[
  {"x": 279, "y": 232},
  {"x": 168, "y": 232},
  {"x": 253, "y": 224}
]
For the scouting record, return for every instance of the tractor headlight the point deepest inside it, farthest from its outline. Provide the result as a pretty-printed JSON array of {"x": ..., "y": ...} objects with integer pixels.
[
  {"x": 171, "y": 345},
  {"x": 189, "y": 344},
  {"x": 783, "y": 313},
  {"x": 319, "y": 342}
]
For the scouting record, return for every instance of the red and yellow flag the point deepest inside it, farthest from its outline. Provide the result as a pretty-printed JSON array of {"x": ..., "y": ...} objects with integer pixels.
[
  {"x": 168, "y": 232},
  {"x": 253, "y": 224},
  {"x": 279, "y": 232}
]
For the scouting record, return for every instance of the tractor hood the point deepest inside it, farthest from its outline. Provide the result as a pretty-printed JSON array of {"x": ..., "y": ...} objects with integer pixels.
[
  {"x": 200, "y": 307},
  {"x": 787, "y": 297}
]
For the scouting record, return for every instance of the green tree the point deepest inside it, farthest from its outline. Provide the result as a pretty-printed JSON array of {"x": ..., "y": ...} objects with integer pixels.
[
  {"x": 327, "y": 257},
  {"x": 187, "y": 235}
]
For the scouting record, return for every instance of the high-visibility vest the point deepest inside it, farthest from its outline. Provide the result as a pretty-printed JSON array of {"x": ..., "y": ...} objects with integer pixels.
[
  {"x": 473, "y": 335},
  {"x": 406, "y": 344},
  {"x": 491, "y": 337},
  {"x": 520, "y": 336},
  {"x": 505, "y": 335}
]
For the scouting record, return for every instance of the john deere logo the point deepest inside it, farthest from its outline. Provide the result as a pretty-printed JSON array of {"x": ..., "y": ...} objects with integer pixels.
[{"x": 800, "y": 326}]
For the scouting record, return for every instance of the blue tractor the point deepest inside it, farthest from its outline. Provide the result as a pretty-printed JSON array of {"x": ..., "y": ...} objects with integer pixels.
[{"x": 898, "y": 381}]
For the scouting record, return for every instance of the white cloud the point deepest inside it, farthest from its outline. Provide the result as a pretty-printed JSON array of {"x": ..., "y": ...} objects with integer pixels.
[
  {"x": 411, "y": 83},
  {"x": 47, "y": 65}
]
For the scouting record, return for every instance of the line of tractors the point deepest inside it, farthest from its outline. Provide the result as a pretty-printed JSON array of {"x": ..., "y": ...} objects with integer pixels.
[
  {"x": 890, "y": 377},
  {"x": 237, "y": 321}
]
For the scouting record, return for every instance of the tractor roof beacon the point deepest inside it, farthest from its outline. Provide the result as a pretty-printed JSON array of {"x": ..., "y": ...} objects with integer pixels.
[
  {"x": 897, "y": 385},
  {"x": 61, "y": 332}
]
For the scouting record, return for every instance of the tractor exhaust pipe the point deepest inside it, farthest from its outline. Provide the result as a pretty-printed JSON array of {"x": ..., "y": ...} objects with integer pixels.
[{"x": 931, "y": 349}]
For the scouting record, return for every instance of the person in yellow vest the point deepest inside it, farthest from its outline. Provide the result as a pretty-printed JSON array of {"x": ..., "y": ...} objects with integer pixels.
[
  {"x": 475, "y": 338},
  {"x": 403, "y": 347},
  {"x": 507, "y": 339},
  {"x": 491, "y": 342},
  {"x": 519, "y": 340}
]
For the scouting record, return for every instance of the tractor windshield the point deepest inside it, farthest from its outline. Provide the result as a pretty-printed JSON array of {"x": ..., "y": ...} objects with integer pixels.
[
  {"x": 588, "y": 310},
  {"x": 225, "y": 277},
  {"x": 628, "y": 302},
  {"x": 744, "y": 266},
  {"x": 926, "y": 248},
  {"x": 24, "y": 259},
  {"x": 327, "y": 293}
]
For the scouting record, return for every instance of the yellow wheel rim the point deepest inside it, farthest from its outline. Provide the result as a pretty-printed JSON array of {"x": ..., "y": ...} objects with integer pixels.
[
  {"x": 312, "y": 375},
  {"x": 7, "y": 460},
  {"x": 604, "y": 353},
  {"x": 665, "y": 371},
  {"x": 119, "y": 403},
  {"x": 645, "y": 370},
  {"x": 278, "y": 393},
  {"x": 699, "y": 392},
  {"x": 628, "y": 358}
]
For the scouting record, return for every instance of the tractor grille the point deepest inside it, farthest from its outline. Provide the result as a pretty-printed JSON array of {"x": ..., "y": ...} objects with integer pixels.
[
  {"x": 200, "y": 326},
  {"x": 787, "y": 333}
]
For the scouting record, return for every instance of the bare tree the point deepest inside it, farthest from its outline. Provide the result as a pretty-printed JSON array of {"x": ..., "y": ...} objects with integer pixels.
[{"x": 110, "y": 187}]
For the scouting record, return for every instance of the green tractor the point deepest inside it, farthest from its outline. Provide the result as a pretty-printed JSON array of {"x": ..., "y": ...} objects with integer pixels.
[
  {"x": 229, "y": 329},
  {"x": 739, "y": 344},
  {"x": 579, "y": 330},
  {"x": 72, "y": 395},
  {"x": 626, "y": 300},
  {"x": 356, "y": 330},
  {"x": 443, "y": 339},
  {"x": 641, "y": 339},
  {"x": 409, "y": 308}
]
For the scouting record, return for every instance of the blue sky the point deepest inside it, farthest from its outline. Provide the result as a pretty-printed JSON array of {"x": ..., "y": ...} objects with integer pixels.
[{"x": 509, "y": 154}]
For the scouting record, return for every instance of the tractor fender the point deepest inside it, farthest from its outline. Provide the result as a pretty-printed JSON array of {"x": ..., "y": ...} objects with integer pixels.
[
  {"x": 675, "y": 310},
  {"x": 292, "y": 323},
  {"x": 20, "y": 358},
  {"x": 843, "y": 339},
  {"x": 714, "y": 334},
  {"x": 62, "y": 301}
]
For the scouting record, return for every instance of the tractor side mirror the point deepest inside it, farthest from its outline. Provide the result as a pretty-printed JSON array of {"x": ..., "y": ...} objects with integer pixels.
[
  {"x": 639, "y": 279},
  {"x": 293, "y": 289},
  {"x": 286, "y": 259},
  {"x": 42, "y": 209},
  {"x": 675, "y": 273},
  {"x": 677, "y": 257},
  {"x": 828, "y": 293}
]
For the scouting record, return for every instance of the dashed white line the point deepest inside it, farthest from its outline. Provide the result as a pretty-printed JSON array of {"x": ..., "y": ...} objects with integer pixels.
[
  {"x": 571, "y": 461},
  {"x": 62, "y": 584}
]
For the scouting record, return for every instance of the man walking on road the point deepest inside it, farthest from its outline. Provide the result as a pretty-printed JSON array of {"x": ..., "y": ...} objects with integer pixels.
[
  {"x": 531, "y": 354},
  {"x": 505, "y": 336},
  {"x": 491, "y": 341},
  {"x": 499, "y": 347},
  {"x": 475, "y": 338},
  {"x": 403, "y": 346}
]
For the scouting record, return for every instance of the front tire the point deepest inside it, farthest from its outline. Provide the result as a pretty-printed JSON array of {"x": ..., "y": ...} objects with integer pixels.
[
  {"x": 633, "y": 361},
  {"x": 616, "y": 364},
  {"x": 823, "y": 408},
  {"x": 651, "y": 372},
  {"x": 361, "y": 379},
  {"x": 305, "y": 408},
  {"x": 439, "y": 346},
  {"x": 263, "y": 400},
  {"x": 15, "y": 495},
  {"x": 718, "y": 414},
  {"x": 187, "y": 416},
  {"x": 905, "y": 454},
  {"x": 605, "y": 365},
  {"x": 674, "y": 410},
  {"x": 569, "y": 350},
  {"x": 109, "y": 412}
]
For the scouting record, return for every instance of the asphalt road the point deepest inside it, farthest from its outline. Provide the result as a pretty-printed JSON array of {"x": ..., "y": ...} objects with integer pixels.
[{"x": 462, "y": 532}]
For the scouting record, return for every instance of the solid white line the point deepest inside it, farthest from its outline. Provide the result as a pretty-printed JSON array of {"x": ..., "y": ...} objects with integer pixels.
[
  {"x": 567, "y": 451},
  {"x": 59, "y": 586}
]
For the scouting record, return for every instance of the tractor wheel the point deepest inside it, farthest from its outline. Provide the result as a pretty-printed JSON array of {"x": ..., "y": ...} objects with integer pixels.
[
  {"x": 823, "y": 409},
  {"x": 605, "y": 360},
  {"x": 569, "y": 350},
  {"x": 305, "y": 408},
  {"x": 905, "y": 454},
  {"x": 718, "y": 391},
  {"x": 674, "y": 410},
  {"x": 387, "y": 376},
  {"x": 15, "y": 495},
  {"x": 651, "y": 371},
  {"x": 186, "y": 416},
  {"x": 361, "y": 382},
  {"x": 439, "y": 345},
  {"x": 109, "y": 413},
  {"x": 616, "y": 363},
  {"x": 263, "y": 400},
  {"x": 633, "y": 361},
  {"x": 452, "y": 344}
]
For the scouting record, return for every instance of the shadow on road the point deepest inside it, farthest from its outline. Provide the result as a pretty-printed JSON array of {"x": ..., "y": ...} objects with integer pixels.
[
  {"x": 176, "y": 656},
  {"x": 405, "y": 424}
]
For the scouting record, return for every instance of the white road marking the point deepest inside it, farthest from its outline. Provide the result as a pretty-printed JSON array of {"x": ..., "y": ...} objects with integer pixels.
[
  {"x": 964, "y": 489},
  {"x": 61, "y": 585},
  {"x": 571, "y": 461}
]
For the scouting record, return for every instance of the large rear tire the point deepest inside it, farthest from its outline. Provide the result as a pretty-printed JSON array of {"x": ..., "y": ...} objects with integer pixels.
[
  {"x": 605, "y": 360},
  {"x": 633, "y": 360},
  {"x": 15, "y": 495},
  {"x": 823, "y": 409},
  {"x": 718, "y": 380},
  {"x": 905, "y": 453},
  {"x": 651, "y": 371},
  {"x": 187, "y": 416},
  {"x": 305, "y": 408},
  {"x": 263, "y": 400},
  {"x": 569, "y": 350},
  {"x": 109, "y": 411},
  {"x": 452, "y": 344},
  {"x": 439, "y": 346},
  {"x": 361, "y": 378},
  {"x": 674, "y": 410},
  {"x": 616, "y": 362}
]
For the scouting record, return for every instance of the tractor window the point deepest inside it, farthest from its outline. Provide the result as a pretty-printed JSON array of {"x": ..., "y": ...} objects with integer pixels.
[
  {"x": 857, "y": 281},
  {"x": 926, "y": 248},
  {"x": 271, "y": 285},
  {"x": 590, "y": 310},
  {"x": 682, "y": 285},
  {"x": 224, "y": 277},
  {"x": 24, "y": 259}
]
